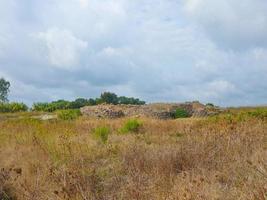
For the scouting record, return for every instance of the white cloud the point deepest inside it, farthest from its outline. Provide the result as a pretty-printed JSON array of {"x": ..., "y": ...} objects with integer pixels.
[
  {"x": 158, "y": 50},
  {"x": 84, "y": 3},
  {"x": 260, "y": 54},
  {"x": 109, "y": 51},
  {"x": 192, "y": 5},
  {"x": 63, "y": 48},
  {"x": 19, "y": 90},
  {"x": 219, "y": 88},
  {"x": 2, "y": 45},
  {"x": 231, "y": 23}
]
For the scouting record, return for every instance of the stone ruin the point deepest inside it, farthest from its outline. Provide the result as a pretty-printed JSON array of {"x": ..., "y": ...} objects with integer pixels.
[{"x": 155, "y": 110}]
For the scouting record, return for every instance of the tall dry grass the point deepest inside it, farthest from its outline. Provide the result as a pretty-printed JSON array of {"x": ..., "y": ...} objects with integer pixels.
[{"x": 204, "y": 159}]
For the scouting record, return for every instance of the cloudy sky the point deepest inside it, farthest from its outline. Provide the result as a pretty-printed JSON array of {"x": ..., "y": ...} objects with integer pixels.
[{"x": 157, "y": 50}]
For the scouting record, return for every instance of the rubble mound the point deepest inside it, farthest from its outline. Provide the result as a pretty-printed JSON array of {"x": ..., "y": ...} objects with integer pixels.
[
  {"x": 103, "y": 111},
  {"x": 155, "y": 110}
]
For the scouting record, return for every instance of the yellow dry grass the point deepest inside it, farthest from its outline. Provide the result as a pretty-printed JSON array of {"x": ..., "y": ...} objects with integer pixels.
[{"x": 175, "y": 159}]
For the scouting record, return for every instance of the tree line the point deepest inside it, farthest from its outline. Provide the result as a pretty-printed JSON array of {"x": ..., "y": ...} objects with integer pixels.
[{"x": 106, "y": 97}]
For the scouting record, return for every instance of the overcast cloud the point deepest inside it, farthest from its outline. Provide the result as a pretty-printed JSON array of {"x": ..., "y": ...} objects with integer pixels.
[{"x": 157, "y": 50}]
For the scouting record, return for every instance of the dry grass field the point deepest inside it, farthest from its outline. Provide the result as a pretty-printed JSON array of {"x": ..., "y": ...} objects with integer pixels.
[{"x": 222, "y": 157}]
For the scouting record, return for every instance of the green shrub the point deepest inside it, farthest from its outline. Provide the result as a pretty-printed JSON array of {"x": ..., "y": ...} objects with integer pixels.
[
  {"x": 68, "y": 114},
  {"x": 210, "y": 104},
  {"x": 132, "y": 126},
  {"x": 102, "y": 133},
  {"x": 18, "y": 107},
  {"x": 181, "y": 113},
  {"x": 51, "y": 107},
  {"x": 240, "y": 115},
  {"x": 13, "y": 107},
  {"x": 260, "y": 113},
  {"x": 130, "y": 101}
]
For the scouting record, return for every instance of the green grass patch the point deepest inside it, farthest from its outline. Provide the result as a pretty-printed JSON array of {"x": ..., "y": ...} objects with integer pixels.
[
  {"x": 234, "y": 115},
  {"x": 259, "y": 113},
  {"x": 102, "y": 133},
  {"x": 181, "y": 113},
  {"x": 68, "y": 114},
  {"x": 131, "y": 126}
]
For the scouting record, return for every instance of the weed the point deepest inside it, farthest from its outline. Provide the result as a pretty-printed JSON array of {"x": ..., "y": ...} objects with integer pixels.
[
  {"x": 68, "y": 114},
  {"x": 102, "y": 133},
  {"x": 178, "y": 135},
  {"x": 259, "y": 113},
  {"x": 173, "y": 159},
  {"x": 131, "y": 126}
]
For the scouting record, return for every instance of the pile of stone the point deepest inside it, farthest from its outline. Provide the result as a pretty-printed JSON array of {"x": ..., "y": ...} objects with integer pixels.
[
  {"x": 157, "y": 110},
  {"x": 103, "y": 111}
]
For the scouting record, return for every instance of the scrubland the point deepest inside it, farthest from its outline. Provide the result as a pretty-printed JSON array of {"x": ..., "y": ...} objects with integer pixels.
[{"x": 222, "y": 157}]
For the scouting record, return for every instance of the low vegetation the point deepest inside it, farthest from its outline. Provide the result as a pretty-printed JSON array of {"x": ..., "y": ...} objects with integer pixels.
[
  {"x": 181, "y": 113},
  {"x": 13, "y": 107},
  {"x": 102, "y": 133},
  {"x": 68, "y": 114},
  {"x": 131, "y": 126},
  {"x": 222, "y": 157}
]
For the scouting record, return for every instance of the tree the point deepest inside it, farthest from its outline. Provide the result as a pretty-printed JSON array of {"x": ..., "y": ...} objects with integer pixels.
[
  {"x": 4, "y": 90},
  {"x": 110, "y": 98},
  {"x": 130, "y": 100},
  {"x": 92, "y": 102},
  {"x": 78, "y": 103}
]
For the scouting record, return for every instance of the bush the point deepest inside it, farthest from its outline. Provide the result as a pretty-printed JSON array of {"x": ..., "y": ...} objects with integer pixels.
[
  {"x": 181, "y": 113},
  {"x": 51, "y": 107},
  {"x": 13, "y": 107},
  {"x": 260, "y": 113},
  {"x": 18, "y": 107},
  {"x": 81, "y": 102},
  {"x": 68, "y": 114},
  {"x": 101, "y": 133},
  {"x": 132, "y": 125},
  {"x": 4, "y": 108},
  {"x": 210, "y": 105}
]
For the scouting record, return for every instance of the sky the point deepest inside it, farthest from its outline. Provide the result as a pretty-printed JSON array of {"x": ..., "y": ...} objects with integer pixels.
[{"x": 156, "y": 50}]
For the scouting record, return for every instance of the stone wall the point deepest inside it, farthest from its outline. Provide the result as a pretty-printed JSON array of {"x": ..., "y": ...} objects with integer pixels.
[{"x": 157, "y": 110}]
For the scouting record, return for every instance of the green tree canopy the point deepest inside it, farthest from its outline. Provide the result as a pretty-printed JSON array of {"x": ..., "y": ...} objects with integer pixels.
[
  {"x": 110, "y": 98},
  {"x": 4, "y": 90},
  {"x": 106, "y": 97}
]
